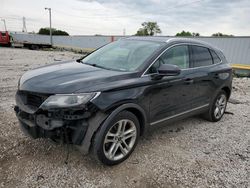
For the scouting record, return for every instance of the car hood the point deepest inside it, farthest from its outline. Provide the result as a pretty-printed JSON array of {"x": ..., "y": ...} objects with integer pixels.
[{"x": 70, "y": 77}]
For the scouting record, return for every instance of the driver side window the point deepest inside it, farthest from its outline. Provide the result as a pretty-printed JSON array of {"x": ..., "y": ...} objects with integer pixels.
[{"x": 177, "y": 55}]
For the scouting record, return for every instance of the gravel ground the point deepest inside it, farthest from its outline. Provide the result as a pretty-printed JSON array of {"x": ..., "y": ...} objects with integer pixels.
[{"x": 189, "y": 153}]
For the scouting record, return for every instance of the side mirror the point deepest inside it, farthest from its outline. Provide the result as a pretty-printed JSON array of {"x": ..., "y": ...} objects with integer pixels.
[{"x": 168, "y": 70}]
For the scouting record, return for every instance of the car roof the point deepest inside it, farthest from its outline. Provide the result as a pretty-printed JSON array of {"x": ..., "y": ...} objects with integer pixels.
[{"x": 171, "y": 40}]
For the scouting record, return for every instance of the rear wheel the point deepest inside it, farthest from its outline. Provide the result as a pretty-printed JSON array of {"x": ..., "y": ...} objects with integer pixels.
[
  {"x": 116, "y": 140},
  {"x": 217, "y": 108}
]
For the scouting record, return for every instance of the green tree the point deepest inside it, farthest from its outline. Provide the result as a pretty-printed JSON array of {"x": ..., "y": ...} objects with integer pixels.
[
  {"x": 195, "y": 34},
  {"x": 187, "y": 34},
  {"x": 142, "y": 32},
  {"x": 221, "y": 35},
  {"x": 46, "y": 31},
  {"x": 148, "y": 29},
  {"x": 184, "y": 34},
  {"x": 60, "y": 32}
]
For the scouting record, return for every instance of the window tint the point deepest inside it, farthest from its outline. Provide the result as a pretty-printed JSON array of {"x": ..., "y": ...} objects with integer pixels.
[
  {"x": 215, "y": 57},
  {"x": 177, "y": 55},
  {"x": 201, "y": 56}
]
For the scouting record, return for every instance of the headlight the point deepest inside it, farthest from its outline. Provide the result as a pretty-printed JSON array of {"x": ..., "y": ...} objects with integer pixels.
[{"x": 68, "y": 100}]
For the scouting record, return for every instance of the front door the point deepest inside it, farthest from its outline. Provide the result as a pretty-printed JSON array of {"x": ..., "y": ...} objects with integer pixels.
[{"x": 172, "y": 95}]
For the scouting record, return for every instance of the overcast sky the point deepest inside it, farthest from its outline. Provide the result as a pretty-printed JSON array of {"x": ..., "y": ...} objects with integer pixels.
[{"x": 111, "y": 17}]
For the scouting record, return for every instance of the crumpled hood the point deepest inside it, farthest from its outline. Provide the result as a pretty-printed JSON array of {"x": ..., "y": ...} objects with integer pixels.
[{"x": 69, "y": 77}]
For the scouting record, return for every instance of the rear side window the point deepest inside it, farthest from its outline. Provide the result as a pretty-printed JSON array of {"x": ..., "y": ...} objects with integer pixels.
[
  {"x": 201, "y": 56},
  {"x": 215, "y": 57}
]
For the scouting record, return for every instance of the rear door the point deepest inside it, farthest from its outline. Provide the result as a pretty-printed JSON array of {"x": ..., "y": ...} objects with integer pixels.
[{"x": 202, "y": 63}]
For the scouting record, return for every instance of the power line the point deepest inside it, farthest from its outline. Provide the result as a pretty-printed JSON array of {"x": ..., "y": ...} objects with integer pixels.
[
  {"x": 11, "y": 18},
  {"x": 115, "y": 16},
  {"x": 105, "y": 16},
  {"x": 129, "y": 15}
]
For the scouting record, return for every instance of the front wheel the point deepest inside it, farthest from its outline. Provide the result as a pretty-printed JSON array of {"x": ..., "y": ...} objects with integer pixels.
[
  {"x": 115, "y": 141},
  {"x": 218, "y": 107}
]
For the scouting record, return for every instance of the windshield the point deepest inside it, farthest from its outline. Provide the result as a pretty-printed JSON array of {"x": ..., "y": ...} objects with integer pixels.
[{"x": 123, "y": 55}]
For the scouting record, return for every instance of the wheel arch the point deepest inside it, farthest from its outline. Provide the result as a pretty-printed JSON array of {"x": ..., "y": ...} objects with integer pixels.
[
  {"x": 137, "y": 110},
  {"x": 102, "y": 118},
  {"x": 227, "y": 90},
  {"x": 140, "y": 116}
]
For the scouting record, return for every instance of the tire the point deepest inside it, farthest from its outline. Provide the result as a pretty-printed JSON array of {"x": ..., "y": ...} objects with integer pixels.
[
  {"x": 111, "y": 146},
  {"x": 218, "y": 107},
  {"x": 34, "y": 47}
]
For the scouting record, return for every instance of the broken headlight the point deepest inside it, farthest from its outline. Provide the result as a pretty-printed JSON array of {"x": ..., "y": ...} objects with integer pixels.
[{"x": 68, "y": 100}]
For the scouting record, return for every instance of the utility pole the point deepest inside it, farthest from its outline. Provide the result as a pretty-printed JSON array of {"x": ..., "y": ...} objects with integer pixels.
[
  {"x": 50, "y": 31},
  {"x": 124, "y": 32},
  {"x": 24, "y": 25},
  {"x": 4, "y": 24}
]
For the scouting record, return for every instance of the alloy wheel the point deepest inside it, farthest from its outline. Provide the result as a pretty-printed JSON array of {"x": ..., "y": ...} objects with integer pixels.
[
  {"x": 119, "y": 139},
  {"x": 220, "y": 106}
]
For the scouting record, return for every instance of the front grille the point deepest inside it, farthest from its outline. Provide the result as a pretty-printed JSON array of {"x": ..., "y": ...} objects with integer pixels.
[{"x": 32, "y": 99}]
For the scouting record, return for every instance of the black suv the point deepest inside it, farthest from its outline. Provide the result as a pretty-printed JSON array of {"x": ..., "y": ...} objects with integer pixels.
[{"x": 106, "y": 100}]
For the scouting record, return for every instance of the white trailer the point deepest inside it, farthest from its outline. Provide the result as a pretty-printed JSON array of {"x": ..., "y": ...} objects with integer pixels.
[{"x": 31, "y": 41}]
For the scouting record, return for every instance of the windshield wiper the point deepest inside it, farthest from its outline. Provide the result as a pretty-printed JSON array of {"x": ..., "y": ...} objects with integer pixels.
[
  {"x": 99, "y": 66},
  {"x": 80, "y": 60},
  {"x": 95, "y": 65}
]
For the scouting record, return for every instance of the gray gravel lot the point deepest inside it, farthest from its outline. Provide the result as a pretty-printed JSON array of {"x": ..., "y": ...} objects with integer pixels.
[{"x": 188, "y": 153}]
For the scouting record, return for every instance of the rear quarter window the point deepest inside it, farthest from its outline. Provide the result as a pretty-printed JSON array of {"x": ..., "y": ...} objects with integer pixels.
[
  {"x": 216, "y": 58},
  {"x": 201, "y": 56}
]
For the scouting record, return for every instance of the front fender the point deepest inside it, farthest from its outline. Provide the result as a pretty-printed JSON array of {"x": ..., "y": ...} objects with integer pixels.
[{"x": 102, "y": 118}]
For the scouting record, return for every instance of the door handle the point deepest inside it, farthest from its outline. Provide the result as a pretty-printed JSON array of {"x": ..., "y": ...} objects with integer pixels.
[{"x": 189, "y": 81}]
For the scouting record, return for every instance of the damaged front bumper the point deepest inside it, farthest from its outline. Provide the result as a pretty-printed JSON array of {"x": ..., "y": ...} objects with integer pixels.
[
  {"x": 68, "y": 125},
  {"x": 59, "y": 125}
]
